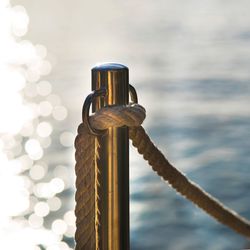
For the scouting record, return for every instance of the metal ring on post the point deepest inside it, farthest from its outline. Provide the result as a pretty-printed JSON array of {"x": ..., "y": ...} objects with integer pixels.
[
  {"x": 85, "y": 110},
  {"x": 88, "y": 101},
  {"x": 133, "y": 94}
]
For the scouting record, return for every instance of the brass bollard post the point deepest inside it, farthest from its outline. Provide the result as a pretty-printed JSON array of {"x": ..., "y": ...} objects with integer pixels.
[{"x": 112, "y": 161}]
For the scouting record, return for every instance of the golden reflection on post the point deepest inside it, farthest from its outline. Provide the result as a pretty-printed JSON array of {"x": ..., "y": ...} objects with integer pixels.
[{"x": 112, "y": 161}]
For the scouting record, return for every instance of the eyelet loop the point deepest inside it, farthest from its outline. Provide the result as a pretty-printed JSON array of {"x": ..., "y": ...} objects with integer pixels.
[
  {"x": 88, "y": 101},
  {"x": 85, "y": 110},
  {"x": 133, "y": 94}
]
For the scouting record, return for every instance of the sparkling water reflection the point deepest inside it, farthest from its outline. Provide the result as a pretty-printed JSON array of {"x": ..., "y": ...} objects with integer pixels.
[
  {"x": 30, "y": 193},
  {"x": 189, "y": 62}
]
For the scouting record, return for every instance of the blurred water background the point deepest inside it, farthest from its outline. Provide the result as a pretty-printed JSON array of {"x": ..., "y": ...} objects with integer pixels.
[{"x": 189, "y": 61}]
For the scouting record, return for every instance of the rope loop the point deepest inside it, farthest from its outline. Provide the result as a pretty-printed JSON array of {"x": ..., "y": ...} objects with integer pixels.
[{"x": 131, "y": 115}]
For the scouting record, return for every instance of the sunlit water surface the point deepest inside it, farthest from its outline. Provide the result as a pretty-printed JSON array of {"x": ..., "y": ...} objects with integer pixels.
[{"x": 190, "y": 65}]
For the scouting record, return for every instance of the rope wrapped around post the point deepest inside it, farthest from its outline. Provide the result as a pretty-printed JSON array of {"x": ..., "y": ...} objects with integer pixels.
[
  {"x": 132, "y": 116},
  {"x": 85, "y": 189}
]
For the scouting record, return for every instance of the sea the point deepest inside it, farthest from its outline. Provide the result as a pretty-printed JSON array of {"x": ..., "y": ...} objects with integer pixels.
[{"x": 189, "y": 62}]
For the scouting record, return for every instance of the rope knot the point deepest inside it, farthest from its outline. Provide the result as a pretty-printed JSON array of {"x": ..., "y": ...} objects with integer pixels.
[{"x": 131, "y": 115}]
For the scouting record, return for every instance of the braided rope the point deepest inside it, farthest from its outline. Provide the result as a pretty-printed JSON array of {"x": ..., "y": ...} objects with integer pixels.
[
  {"x": 131, "y": 115},
  {"x": 85, "y": 190},
  {"x": 184, "y": 186},
  {"x": 87, "y": 176}
]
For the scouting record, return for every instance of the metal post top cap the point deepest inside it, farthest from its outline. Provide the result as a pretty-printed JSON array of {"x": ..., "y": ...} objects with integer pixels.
[{"x": 109, "y": 67}]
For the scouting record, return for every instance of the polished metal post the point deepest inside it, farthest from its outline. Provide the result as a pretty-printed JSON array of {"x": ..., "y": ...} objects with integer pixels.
[{"x": 112, "y": 161}]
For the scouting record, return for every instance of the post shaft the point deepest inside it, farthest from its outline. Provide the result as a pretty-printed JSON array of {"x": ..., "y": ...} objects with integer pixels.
[{"x": 112, "y": 161}]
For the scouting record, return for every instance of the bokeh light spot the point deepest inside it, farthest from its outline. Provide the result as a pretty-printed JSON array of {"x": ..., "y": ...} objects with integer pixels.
[
  {"x": 44, "y": 88},
  {"x": 34, "y": 149},
  {"x": 59, "y": 226},
  {"x": 35, "y": 221},
  {"x": 37, "y": 172},
  {"x": 43, "y": 190},
  {"x": 67, "y": 139},
  {"x": 25, "y": 161},
  {"x": 60, "y": 113},
  {"x": 70, "y": 218},
  {"x": 61, "y": 171},
  {"x": 45, "y": 142},
  {"x": 54, "y": 203},
  {"x": 44, "y": 129},
  {"x": 70, "y": 231},
  {"x": 32, "y": 75},
  {"x": 57, "y": 185},
  {"x": 45, "y": 108},
  {"x": 27, "y": 129},
  {"x": 41, "y": 209},
  {"x": 19, "y": 21}
]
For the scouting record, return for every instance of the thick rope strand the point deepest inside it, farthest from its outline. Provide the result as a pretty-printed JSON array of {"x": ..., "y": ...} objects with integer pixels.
[
  {"x": 85, "y": 236},
  {"x": 131, "y": 115},
  {"x": 184, "y": 186}
]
